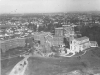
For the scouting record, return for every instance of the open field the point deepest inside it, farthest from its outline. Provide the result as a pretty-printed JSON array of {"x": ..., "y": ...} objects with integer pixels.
[
  {"x": 8, "y": 64},
  {"x": 88, "y": 63}
]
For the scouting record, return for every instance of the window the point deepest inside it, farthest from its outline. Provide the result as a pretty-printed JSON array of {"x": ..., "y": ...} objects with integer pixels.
[
  {"x": 75, "y": 47},
  {"x": 74, "y": 42}
]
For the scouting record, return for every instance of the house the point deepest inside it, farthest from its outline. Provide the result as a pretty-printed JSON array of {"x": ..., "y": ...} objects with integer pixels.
[
  {"x": 80, "y": 44},
  {"x": 93, "y": 44}
]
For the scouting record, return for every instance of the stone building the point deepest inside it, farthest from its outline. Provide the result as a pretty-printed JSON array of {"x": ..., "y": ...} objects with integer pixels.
[
  {"x": 80, "y": 44},
  {"x": 40, "y": 36},
  {"x": 59, "y": 32}
]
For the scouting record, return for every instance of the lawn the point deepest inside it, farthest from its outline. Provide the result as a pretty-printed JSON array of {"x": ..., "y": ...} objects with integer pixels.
[
  {"x": 8, "y": 64},
  {"x": 88, "y": 63}
]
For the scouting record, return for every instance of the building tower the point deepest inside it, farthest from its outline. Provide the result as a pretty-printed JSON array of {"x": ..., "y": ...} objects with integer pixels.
[{"x": 69, "y": 32}]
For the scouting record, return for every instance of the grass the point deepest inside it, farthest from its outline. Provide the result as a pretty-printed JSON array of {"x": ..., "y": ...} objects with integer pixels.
[
  {"x": 7, "y": 65},
  {"x": 42, "y": 66},
  {"x": 54, "y": 66}
]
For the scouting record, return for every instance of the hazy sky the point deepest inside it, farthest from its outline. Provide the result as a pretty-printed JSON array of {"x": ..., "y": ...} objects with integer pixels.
[{"x": 47, "y": 6}]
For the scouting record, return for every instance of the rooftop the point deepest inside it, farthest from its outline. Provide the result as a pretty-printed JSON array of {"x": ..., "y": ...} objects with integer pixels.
[{"x": 82, "y": 38}]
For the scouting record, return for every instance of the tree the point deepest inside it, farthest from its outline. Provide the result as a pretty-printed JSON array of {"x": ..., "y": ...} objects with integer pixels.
[
  {"x": 92, "y": 32},
  {"x": 65, "y": 41}
]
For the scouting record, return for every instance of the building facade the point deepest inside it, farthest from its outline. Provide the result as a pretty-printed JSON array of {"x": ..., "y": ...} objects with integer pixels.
[
  {"x": 58, "y": 41},
  {"x": 59, "y": 32},
  {"x": 68, "y": 30},
  {"x": 80, "y": 44},
  {"x": 40, "y": 36}
]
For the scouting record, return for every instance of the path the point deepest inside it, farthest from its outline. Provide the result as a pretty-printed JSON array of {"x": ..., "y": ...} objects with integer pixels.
[{"x": 19, "y": 68}]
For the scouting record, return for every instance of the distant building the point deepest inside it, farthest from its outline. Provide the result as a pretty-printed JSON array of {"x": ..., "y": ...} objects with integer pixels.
[
  {"x": 66, "y": 31},
  {"x": 64, "y": 36},
  {"x": 80, "y": 44}
]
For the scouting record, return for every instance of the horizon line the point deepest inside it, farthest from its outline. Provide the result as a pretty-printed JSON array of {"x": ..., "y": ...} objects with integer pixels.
[{"x": 48, "y": 12}]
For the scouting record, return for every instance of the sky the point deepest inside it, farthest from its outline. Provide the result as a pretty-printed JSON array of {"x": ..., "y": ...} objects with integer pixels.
[{"x": 48, "y": 6}]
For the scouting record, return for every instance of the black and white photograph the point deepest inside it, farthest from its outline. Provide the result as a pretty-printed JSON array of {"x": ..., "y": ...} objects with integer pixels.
[{"x": 49, "y": 37}]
